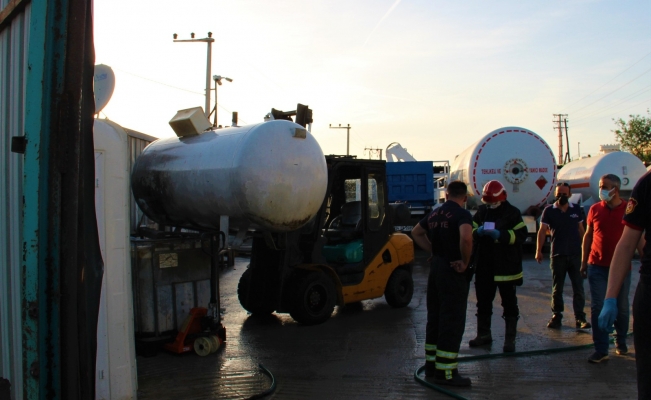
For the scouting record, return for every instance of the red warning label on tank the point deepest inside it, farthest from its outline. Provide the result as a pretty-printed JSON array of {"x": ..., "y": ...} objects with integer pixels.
[{"x": 541, "y": 182}]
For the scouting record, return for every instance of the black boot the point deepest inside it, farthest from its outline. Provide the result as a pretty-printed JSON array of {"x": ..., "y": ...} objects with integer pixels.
[
  {"x": 510, "y": 332},
  {"x": 451, "y": 378},
  {"x": 483, "y": 331},
  {"x": 430, "y": 368}
]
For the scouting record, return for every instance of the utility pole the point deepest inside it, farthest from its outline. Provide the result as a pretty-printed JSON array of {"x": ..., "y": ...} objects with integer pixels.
[
  {"x": 567, "y": 142},
  {"x": 373, "y": 154},
  {"x": 347, "y": 128},
  {"x": 560, "y": 135},
  {"x": 209, "y": 40}
]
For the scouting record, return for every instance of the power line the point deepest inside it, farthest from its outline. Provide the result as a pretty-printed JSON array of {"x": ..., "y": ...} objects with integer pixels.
[
  {"x": 619, "y": 112},
  {"x": 634, "y": 64},
  {"x": 160, "y": 83},
  {"x": 173, "y": 87},
  {"x": 624, "y": 100},
  {"x": 608, "y": 94}
]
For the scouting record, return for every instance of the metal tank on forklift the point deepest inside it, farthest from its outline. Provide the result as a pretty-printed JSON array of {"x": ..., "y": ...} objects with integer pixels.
[{"x": 316, "y": 244}]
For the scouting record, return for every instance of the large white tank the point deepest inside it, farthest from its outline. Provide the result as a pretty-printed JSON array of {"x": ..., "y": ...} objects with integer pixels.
[
  {"x": 518, "y": 158},
  {"x": 583, "y": 175},
  {"x": 271, "y": 175}
]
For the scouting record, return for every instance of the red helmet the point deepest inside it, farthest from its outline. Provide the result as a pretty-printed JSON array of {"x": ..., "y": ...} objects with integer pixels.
[{"x": 493, "y": 192}]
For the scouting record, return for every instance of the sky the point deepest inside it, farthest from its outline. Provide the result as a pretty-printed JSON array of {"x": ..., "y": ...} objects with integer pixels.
[{"x": 434, "y": 76}]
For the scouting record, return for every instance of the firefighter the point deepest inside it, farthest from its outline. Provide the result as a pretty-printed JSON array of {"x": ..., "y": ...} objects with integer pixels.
[
  {"x": 447, "y": 233},
  {"x": 498, "y": 232}
]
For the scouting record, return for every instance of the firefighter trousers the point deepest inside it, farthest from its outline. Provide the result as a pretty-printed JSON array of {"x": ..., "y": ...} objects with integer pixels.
[
  {"x": 485, "y": 288},
  {"x": 447, "y": 298}
]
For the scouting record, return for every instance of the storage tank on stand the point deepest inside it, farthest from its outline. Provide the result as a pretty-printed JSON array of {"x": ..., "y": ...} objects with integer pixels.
[
  {"x": 583, "y": 175},
  {"x": 517, "y": 157},
  {"x": 270, "y": 175}
]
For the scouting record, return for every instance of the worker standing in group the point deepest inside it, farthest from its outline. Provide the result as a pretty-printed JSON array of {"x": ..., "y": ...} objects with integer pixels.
[
  {"x": 604, "y": 228},
  {"x": 565, "y": 221},
  {"x": 447, "y": 233},
  {"x": 637, "y": 220},
  {"x": 499, "y": 232}
]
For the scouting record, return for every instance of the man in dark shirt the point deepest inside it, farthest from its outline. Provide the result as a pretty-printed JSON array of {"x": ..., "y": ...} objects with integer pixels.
[
  {"x": 565, "y": 220},
  {"x": 637, "y": 220},
  {"x": 447, "y": 233}
]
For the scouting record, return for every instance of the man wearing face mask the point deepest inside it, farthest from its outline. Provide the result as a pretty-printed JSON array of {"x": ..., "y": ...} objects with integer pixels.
[
  {"x": 604, "y": 228},
  {"x": 565, "y": 221},
  {"x": 499, "y": 232}
]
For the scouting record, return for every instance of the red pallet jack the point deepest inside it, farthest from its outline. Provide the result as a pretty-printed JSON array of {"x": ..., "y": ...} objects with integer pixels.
[
  {"x": 197, "y": 334},
  {"x": 202, "y": 330}
]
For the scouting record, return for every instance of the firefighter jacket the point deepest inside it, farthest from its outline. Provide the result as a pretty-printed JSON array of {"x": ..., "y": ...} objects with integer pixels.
[{"x": 504, "y": 255}]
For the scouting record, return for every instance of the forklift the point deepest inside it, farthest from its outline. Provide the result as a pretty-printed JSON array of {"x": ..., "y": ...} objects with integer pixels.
[{"x": 347, "y": 253}]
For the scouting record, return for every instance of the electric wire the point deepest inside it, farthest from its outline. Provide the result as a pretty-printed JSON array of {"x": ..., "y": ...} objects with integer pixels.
[
  {"x": 624, "y": 100},
  {"x": 618, "y": 112},
  {"x": 608, "y": 94},
  {"x": 634, "y": 64},
  {"x": 171, "y": 86}
]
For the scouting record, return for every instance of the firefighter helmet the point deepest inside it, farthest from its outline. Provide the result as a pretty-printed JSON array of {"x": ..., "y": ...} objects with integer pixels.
[{"x": 493, "y": 192}]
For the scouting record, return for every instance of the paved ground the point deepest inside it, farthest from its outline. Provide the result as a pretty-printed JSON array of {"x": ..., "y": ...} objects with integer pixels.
[{"x": 371, "y": 352}]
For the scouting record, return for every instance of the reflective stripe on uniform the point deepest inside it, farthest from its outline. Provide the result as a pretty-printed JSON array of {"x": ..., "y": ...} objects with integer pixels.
[
  {"x": 506, "y": 278},
  {"x": 447, "y": 367},
  {"x": 519, "y": 226},
  {"x": 430, "y": 347},
  {"x": 429, "y": 357},
  {"x": 512, "y": 235},
  {"x": 446, "y": 354}
]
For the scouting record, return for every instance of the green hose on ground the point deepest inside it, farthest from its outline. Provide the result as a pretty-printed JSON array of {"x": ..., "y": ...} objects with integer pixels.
[
  {"x": 271, "y": 388},
  {"x": 498, "y": 355}
]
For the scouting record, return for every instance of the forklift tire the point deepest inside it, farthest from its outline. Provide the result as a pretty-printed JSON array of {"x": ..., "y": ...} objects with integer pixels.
[
  {"x": 400, "y": 288},
  {"x": 314, "y": 298},
  {"x": 250, "y": 301}
]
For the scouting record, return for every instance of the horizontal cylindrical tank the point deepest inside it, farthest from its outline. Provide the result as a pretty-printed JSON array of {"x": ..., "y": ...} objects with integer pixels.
[
  {"x": 517, "y": 157},
  {"x": 271, "y": 176},
  {"x": 583, "y": 175}
]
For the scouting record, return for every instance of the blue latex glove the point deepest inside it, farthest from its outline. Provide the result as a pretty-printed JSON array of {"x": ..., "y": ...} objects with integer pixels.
[
  {"x": 608, "y": 314},
  {"x": 480, "y": 231},
  {"x": 493, "y": 233}
]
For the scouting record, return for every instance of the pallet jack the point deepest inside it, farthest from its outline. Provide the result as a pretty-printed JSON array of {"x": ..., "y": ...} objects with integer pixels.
[{"x": 202, "y": 330}]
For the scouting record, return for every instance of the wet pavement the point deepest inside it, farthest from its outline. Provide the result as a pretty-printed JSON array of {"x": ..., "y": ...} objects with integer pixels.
[{"x": 370, "y": 351}]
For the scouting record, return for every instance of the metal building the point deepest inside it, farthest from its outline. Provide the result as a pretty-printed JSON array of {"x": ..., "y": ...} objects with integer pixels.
[{"x": 14, "y": 37}]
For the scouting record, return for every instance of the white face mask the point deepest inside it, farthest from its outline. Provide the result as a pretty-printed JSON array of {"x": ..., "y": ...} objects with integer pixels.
[
  {"x": 493, "y": 205},
  {"x": 605, "y": 194}
]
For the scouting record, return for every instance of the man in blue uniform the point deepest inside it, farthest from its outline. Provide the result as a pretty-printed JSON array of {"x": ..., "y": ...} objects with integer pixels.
[
  {"x": 499, "y": 233},
  {"x": 637, "y": 220},
  {"x": 565, "y": 220},
  {"x": 447, "y": 233}
]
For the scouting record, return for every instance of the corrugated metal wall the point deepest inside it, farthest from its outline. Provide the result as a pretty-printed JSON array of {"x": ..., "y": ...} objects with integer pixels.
[
  {"x": 137, "y": 143},
  {"x": 14, "y": 39}
]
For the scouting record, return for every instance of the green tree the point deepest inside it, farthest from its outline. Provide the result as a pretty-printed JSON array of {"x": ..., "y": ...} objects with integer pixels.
[{"x": 635, "y": 135}]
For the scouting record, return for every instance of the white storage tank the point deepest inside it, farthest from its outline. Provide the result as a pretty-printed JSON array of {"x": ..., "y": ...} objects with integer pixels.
[
  {"x": 517, "y": 157},
  {"x": 583, "y": 175},
  {"x": 271, "y": 175}
]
